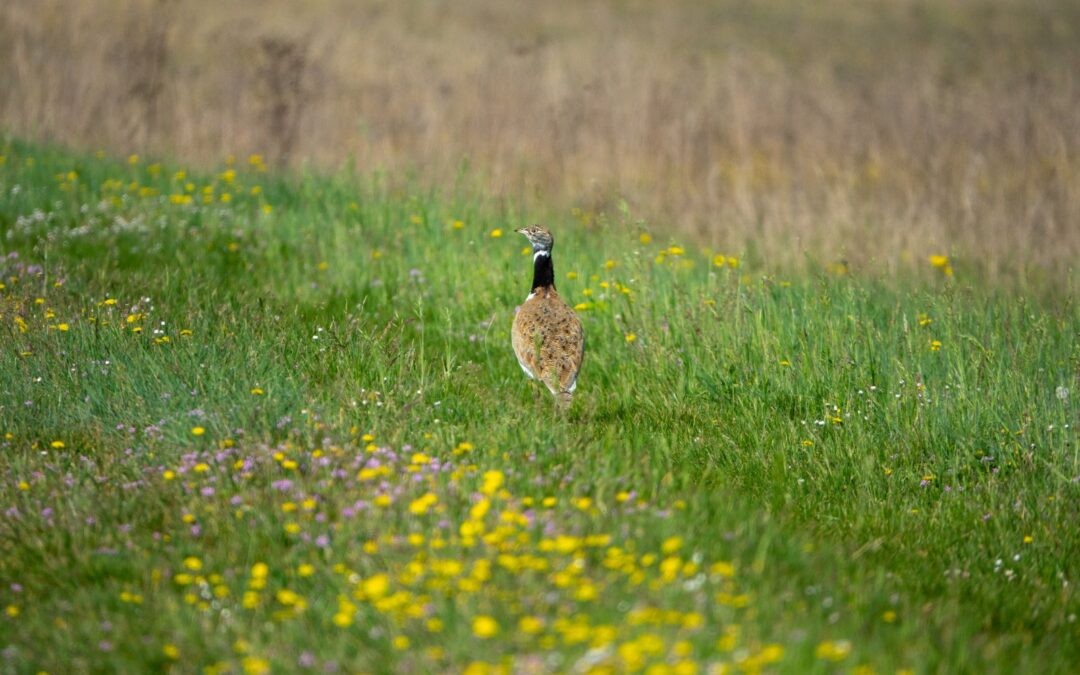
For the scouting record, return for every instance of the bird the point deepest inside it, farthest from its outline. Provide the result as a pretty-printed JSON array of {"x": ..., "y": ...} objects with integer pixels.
[{"x": 548, "y": 338}]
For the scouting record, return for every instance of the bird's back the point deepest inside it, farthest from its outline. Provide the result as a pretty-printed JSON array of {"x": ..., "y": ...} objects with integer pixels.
[{"x": 549, "y": 341}]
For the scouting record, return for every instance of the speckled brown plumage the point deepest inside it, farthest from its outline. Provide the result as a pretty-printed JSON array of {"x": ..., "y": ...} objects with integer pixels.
[{"x": 547, "y": 335}]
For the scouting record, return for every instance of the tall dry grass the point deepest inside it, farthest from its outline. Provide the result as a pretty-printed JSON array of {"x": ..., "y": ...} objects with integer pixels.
[{"x": 871, "y": 131}]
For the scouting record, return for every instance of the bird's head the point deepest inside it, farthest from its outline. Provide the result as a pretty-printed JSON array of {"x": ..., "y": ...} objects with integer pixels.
[{"x": 538, "y": 236}]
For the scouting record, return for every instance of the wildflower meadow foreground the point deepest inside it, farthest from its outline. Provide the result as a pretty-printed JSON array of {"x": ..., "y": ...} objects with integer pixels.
[{"x": 255, "y": 422}]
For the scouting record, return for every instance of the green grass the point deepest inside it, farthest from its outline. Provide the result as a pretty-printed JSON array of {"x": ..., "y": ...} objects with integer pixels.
[{"x": 772, "y": 473}]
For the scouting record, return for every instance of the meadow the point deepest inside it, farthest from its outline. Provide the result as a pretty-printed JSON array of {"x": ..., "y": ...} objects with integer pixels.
[
  {"x": 862, "y": 131},
  {"x": 257, "y": 420}
]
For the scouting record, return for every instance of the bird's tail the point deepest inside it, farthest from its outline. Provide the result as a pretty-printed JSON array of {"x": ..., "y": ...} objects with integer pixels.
[{"x": 563, "y": 399}]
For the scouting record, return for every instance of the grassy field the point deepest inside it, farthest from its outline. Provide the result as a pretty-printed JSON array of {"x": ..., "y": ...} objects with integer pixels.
[
  {"x": 872, "y": 131},
  {"x": 254, "y": 421}
]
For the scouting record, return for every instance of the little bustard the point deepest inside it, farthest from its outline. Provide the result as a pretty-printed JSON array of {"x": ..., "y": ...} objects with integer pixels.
[{"x": 547, "y": 335}]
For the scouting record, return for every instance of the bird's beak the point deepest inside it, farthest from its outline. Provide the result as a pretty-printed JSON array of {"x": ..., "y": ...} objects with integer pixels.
[{"x": 520, "y": 230}]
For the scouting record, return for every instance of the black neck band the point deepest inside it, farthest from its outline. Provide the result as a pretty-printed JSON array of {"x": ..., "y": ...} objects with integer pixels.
[{"x": 543, "y": 271}]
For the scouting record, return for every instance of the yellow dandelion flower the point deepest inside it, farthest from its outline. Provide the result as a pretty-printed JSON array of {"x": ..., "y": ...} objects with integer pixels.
[
  {"x": 254, "y": 665},
  {"x": 771, "y": 653},
  {"x": 197, "y": 431},
  {"x": 423, "y": 504},
  {"x": 833, "y": 651},
  {"x": 671, "y": 545},
  {"x": 375, "y": 587},
  {"x": 343, "y": 619},
  {"x": 630, "y": 337},
  {"x": 496, "y": 233},
  {"x": 288, "y": 598},
  {"x": 585, "y": 592},
  {"x": 478, "y": 510},
  {"x": 58, "y": 445},
  {"x": 493, "y": 480},
  {"x": 485, "y": 627}
]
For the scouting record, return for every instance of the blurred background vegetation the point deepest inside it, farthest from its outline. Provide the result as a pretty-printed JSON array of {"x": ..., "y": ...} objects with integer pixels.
[{"x": 870, "y": 131}]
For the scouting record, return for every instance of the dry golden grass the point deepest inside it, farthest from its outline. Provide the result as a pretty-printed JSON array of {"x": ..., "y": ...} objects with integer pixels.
[{"x": 877, "y": 132}]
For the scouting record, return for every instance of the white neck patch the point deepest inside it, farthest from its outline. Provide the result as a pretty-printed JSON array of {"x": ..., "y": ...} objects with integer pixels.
[{"x": 541, "y": 252}]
